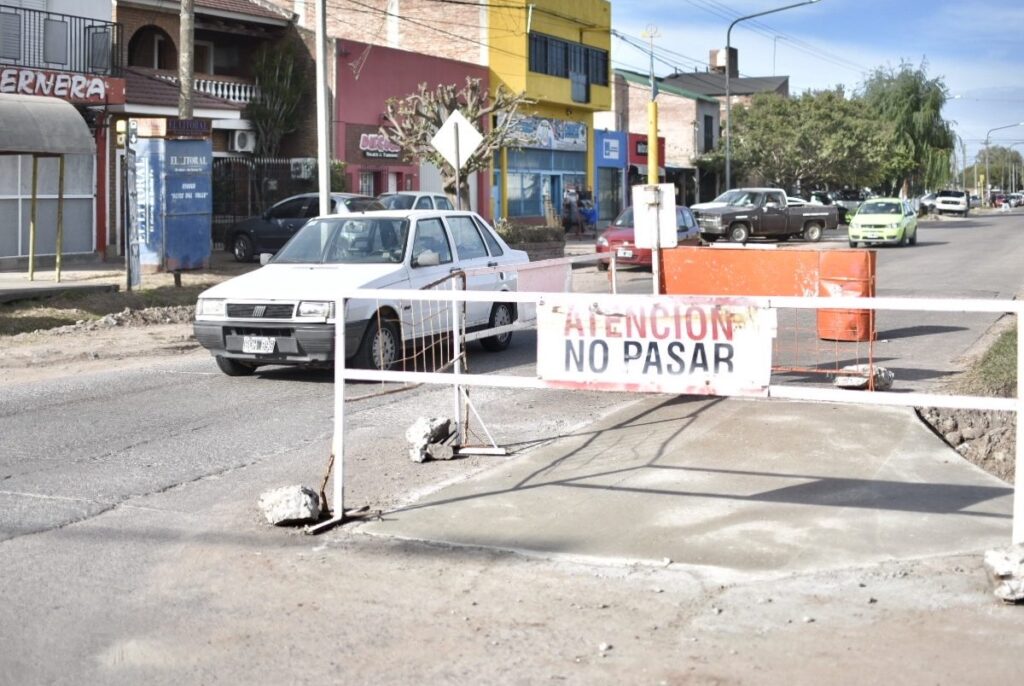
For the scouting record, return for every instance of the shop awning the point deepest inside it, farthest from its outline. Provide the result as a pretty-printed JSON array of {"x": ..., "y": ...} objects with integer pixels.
[
  {"x": 641, "y": 169},
  {"x": 34, "y": 125}
]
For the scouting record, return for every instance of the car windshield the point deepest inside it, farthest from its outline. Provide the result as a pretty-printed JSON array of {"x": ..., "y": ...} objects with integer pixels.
[
  {"x": 363, "y": 204},
  {"x": 728, "y": 196},
  {"x": 398, "y": 202},
  {"x": 952, "y": 194},
  {"x": 347, "y": 240},
  {"x": 881, "y": 207},
  {"x": 745, "y": 199},
  {"x": 625, "y": 219}
]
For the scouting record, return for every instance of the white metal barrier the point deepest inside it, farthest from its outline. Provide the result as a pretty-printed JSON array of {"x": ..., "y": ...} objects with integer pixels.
[{"x": 587, "y": 301}]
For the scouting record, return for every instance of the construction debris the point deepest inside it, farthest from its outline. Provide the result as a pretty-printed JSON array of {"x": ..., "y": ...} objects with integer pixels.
[
  {"x": 859, "y": 376},
  {"x": 424, "y": 434},
  {"x": 1005, "y": 567},
  {"x": 290, "y": 505}
]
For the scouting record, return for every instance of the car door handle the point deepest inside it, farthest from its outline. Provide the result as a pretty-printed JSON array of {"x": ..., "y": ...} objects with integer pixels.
[{"x": 492, "y": 264}]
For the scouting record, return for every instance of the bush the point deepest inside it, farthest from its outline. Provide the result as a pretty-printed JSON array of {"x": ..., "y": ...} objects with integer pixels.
[{"x": 526, "y": 233}]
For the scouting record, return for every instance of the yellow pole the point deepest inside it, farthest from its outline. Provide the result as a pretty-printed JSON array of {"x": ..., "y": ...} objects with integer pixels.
[
  {"x": 32, "y": 222},
  {"x": 60, "y": 215},
  {"x": 652, "y": 143}
]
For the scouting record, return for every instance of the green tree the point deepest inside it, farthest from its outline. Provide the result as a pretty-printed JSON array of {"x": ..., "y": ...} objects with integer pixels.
[
  {"x": 1005, "y": 168},
  {"x": 282, "y": 81},
  {"x": 413, "y": 120},
  {"x": 816, "y": 140},
  {"x": 921, "y": 143}
]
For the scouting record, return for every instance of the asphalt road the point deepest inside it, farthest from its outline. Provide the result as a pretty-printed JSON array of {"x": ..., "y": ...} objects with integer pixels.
[
  {"x": 115, "y": 454},
  {"x": 73, "y": 448}
]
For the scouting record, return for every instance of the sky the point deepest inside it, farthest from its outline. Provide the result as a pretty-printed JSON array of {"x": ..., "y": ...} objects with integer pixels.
[{"x": 975, "y": 46}]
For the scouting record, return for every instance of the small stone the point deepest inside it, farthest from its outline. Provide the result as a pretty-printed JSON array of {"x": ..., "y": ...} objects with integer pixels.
[
  {"x": 716, "y": 610},
  {"x": 872, "y": 601},
  {"x": 666, "y": 561},
  {"x": 423, "y": 432},
  {"x": 440, "y": 451},
  {"x": 947, "y": 425},
  {"x": 970, "y": 432},
  {"x": 953, "y": 438},
  {"x": 659, "y": 590},
  {"x": 604, "y": 647},
  {"x": 808, "y": 620},
  {"x": 1005, "y": 568},
  {"x": 763, "y": 601}
]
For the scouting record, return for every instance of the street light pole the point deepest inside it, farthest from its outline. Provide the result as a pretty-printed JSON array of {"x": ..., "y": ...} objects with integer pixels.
[
  {"x": 988, "y": 180},
  {"x": 728, "y": 94}
]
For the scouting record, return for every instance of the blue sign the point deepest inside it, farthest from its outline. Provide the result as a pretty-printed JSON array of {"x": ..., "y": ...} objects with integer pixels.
[
  {"x": 610, "y": 149},
  {"x": 174, "y": 204}
]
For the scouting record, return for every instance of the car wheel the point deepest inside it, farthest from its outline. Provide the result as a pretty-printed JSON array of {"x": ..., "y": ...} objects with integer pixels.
[
  {"x": 739, "y": 233},
  {"x": 913, "y": 238},
  {"x": 501, "y": 315},
  {"x": 965, "y": 213},
  {"x": 708, "y": 238},
  {"x": 784, "y": 237},
  {"x": 602, "y": 266},
  {"x": 812, "y": 232},
  {"x": 380, "y": 345},
  {"x": 234, "y": 367},
  {"x": 242, "y": 248},
  {"x": 903, "y": 239},
  {"x": 853, "y": 244}
]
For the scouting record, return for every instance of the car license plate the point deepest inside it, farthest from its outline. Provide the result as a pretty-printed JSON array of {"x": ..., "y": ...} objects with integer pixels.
[
  {"x": 258, "y": 344},
  {"x": 622, "y": 252}
]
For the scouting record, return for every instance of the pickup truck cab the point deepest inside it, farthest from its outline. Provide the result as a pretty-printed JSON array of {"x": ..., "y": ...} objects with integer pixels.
[
  {"x": 284, "y": 312},
  {"x": 764, "y": 212}
]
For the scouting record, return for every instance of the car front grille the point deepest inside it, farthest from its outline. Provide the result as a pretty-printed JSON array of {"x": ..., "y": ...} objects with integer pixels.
[
  {"x": 260, "y": 311},
  {"x": 708, "y": 223}
]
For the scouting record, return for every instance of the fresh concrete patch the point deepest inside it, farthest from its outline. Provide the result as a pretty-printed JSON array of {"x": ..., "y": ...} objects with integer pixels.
[{"x": 792, "y": 487}]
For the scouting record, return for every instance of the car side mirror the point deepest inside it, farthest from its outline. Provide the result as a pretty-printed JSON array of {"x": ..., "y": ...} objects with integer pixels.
[
  {"x": 265, "y": 258},
  {"x": 772, "y": 205},
  {"x": 266, "y": 215}
]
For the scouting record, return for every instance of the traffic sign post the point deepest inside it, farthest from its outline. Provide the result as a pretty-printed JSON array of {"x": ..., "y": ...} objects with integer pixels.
[{"x": 456, "y": 141}]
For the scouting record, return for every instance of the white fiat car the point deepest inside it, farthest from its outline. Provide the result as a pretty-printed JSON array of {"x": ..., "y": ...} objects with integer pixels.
[{"x": 283, "y": 313}]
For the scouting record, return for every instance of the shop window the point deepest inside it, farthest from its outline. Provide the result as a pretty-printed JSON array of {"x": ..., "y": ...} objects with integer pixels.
[
  {"x": 558, "y": 57},
  {"x": 524, "y": 195},
  {"x": 10, "y": 36},
  {"x": 366, "y": 183},
  {"x": 99, "y": 41},
  {"x": 709, "y": 132},
  {"x": 55, "y": 41}
]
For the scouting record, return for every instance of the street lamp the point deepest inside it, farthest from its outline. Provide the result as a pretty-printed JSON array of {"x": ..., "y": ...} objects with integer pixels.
[
  {"x": 988, "y": 180},
  {"x": 728, "y": 66}
]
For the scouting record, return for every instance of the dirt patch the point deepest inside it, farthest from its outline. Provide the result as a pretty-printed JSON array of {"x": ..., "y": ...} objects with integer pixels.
[{"x": 984, "y": 438}]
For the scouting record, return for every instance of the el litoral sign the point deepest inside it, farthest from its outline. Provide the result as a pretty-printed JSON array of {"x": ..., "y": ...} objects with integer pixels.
[{"x": 667, "y": 345}]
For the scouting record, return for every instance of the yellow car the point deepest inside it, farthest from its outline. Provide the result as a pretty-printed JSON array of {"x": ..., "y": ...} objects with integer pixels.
[{"x": 884, "y": 221}]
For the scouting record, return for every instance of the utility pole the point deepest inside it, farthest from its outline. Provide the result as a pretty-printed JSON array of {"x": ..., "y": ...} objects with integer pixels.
[
  {"x": 186, "y": 43},
  {"x": 323, "y": 154},
  {"x": 652, "y": 115}
]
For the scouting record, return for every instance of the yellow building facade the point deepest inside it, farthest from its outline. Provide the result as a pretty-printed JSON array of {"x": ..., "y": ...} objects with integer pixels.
[{"x": 559, "y": 55}]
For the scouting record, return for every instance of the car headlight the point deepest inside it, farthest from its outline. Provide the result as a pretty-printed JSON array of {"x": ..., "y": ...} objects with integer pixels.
[
  {"x": 894, "y": 226},
  {"x": 602, "y": 241},
  {"x": 315, "y": 308},
  {"x": 210, "y": 307}
]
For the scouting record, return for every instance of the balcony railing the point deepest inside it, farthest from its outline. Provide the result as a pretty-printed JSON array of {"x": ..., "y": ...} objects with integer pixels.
[
  {"x": 49, "y": 40},
  {"x": 240, "y": 92}
]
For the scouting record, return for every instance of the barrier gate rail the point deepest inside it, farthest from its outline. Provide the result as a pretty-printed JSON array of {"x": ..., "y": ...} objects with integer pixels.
[{"x": 460, "y": 380}]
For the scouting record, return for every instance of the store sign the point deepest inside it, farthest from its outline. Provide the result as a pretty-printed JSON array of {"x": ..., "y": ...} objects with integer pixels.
[
  {"x": 549, "y": 134},
  {"x": 79, "y": 88},
  {"x": 610, "y": 149},
  {"x": 377, "y": 145},
  {"x": 655, "y": 344}
]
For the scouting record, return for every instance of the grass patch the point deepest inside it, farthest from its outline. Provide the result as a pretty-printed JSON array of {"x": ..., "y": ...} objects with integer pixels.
[
  {"x": 995, "y": 374},
  {"x": 71, "y": 307}
]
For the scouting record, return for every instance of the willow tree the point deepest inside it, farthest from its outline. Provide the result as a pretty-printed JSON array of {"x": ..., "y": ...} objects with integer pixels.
[
  {"x": 413, "y": 120},
  {"x": 282, "y": 80},
  {"x": 921, "y": 141}
]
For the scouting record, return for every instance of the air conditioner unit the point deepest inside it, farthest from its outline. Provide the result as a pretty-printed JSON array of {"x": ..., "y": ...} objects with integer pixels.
[{"x": 242, "y": 141}]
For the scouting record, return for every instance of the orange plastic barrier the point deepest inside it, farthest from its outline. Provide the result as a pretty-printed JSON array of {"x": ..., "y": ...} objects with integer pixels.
[{"x": 690, "y": 270}]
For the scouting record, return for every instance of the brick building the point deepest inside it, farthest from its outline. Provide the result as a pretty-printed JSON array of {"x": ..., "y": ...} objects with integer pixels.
[{"x": 45, "y": 51}]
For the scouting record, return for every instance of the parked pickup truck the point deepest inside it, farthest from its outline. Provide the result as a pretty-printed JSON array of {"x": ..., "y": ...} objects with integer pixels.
[{"x": 764, "y": 212}]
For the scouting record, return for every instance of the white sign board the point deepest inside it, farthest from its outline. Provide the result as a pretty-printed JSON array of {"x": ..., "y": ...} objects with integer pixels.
[
  {"x": 658, "y": 344},
  {"x": 654, "y": 208},
  {"x": 456, "y": 128}
]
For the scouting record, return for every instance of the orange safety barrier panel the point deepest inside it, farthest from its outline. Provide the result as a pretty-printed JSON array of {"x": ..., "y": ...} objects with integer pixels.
[{"x": 689, "y": 270}]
